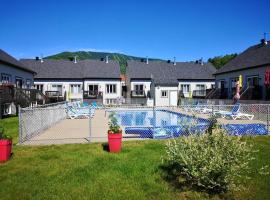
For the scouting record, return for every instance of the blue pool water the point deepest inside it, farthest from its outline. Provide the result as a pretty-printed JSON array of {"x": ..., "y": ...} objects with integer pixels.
[{"x": 167, "y": 124}]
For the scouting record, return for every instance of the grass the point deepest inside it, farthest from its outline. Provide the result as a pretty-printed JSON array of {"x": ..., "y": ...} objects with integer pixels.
[{"x": 87, "y": 171}]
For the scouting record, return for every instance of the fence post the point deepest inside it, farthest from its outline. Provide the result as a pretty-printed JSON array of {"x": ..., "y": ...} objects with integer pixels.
[
  {"x": 90, "y": 125},
  {"x": 20, "y": 125},
  {"x": 267, "y": 119}
]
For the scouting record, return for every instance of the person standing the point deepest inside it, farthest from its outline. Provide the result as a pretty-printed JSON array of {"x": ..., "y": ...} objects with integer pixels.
[{"x": 236, "y": 97}]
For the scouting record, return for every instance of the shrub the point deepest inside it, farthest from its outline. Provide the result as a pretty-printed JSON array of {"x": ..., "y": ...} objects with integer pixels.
[
  {"x": 113, "y": 124},
  {"x": 3, "y": 135},
  {"x": 212, "y": 161}
]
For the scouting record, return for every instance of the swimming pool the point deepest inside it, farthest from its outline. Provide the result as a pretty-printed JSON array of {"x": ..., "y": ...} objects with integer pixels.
[
  {"x": 149, "y": 123},
  {"x": 162, "y": 123}
]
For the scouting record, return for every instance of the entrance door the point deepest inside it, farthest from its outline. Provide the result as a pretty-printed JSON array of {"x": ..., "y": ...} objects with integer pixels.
[
  {"x": 19, "y": 83},
  {"x": 173, "y": 98},
  {"x": 253, "y": 81}
]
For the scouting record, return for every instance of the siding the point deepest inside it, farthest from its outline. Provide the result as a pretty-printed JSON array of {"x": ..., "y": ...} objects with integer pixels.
[
  {"x": 259, "y": 71},
  {"x": 15, "y": 72}
]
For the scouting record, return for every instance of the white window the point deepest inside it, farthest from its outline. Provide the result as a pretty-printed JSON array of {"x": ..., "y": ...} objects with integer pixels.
[
  {"x": 39, "y": 87},
  {"x": 164, "y": 93},
  {"x": 58, "y": 89},
  {"x": 93, "y": 89},
  {"x": 253, "y": 81},
  {"x": 221, "y": 84},
  {"x": 234, "y": 81},
  {"x": 28, "y": 83},
  {"x": 138, "y": 89},
  {"x": 111, "y": 89},
  {"x": 200, "y": 87},
  {"x": 185, "y": 88},
  {"x": 75, "y": 89},
  {"x": 5, "y": 78}
]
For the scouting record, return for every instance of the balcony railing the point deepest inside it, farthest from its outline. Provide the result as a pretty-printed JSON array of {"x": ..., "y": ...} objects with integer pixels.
[
  {"x": 199, "y": 93},
  {"x": 138, "y": 93},
  {"x": 92, "y": 95},
  {"x": 53, "y": 93}
]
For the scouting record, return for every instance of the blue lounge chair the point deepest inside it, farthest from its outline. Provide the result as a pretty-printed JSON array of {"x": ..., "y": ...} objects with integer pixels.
[
  {"x": 234, "y": 113},
  {"x": 77, "y": 113},
  {"x": 95, "y": 105}
]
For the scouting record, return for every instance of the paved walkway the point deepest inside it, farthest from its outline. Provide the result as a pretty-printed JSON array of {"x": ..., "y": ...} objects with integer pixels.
[{"x": 71, "y": 131}]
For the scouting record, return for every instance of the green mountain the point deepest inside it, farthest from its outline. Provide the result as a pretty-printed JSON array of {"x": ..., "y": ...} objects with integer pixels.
[
  {"x": 82, "y": 55},
  {"x": 217, "y": 61},
  {"x": 220, "y": 61}
]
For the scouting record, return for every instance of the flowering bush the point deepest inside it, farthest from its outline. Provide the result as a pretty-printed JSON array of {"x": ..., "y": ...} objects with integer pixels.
[
  {"x": 212, "y": 161},
  {"x": 113, "y": 124}
]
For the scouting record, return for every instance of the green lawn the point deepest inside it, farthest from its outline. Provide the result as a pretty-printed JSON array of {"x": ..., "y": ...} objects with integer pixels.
[
  {"x": 87, "y": 171},
  {"x": 11, "y": 127}
]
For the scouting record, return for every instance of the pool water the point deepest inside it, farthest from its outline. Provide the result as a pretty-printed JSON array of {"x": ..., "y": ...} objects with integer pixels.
[
  {"x": 149, "y": 123},
  {"x": 158, "y": 123}
]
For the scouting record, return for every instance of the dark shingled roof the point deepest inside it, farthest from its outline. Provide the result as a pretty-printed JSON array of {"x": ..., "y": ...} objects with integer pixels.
[
  {"x": 8, "y": 59},
  {"x": 166, "y": 82},
  {"x": 167, "y": 73},
  {"x": 254, "y": 56},
  {"x": 64, "y": 69}
]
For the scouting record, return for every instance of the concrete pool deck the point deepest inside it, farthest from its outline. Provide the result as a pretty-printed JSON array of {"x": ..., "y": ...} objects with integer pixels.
[{"x": 70, "y": 131}]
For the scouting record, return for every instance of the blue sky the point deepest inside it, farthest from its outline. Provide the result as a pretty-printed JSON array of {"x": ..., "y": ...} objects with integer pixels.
[{"x": 187, "y": 29}]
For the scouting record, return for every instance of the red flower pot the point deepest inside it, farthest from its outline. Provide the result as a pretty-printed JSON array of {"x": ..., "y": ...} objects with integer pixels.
[
  {"x": 115, "y": 142},
  {"x": 5, "y": 149}
]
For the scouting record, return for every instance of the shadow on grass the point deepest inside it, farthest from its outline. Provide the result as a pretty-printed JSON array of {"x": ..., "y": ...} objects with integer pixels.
[
  {"x": 105, "y": 147},
  {"x": 171, "y": 175}
]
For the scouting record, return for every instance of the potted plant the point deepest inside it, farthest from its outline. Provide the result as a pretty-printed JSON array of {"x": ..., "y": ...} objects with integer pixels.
[
  {"x": 114, "y": 134},
  {"x": 5, "y": 146}
]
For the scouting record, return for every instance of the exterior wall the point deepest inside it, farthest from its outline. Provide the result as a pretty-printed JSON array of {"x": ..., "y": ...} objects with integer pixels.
[
  {"x": 208, "y": 85},
  {"x": 163, "y": 101},
  {"x": 47, "y": 86},
  {"x": 259, "y": 71},
  {"x": 146, "y": 84},
  {"x": 102, "y": 88},
  {"x": 15, "y": 72}
]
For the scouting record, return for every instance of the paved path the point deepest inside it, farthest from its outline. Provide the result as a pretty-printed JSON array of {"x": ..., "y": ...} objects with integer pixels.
[{"x": 75, "y": 131}]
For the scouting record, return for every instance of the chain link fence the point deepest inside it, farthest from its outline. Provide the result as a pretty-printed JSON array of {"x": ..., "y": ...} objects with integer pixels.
[
  {"x": 79, "y": 123},
  {"x": 167, "y": 122}
]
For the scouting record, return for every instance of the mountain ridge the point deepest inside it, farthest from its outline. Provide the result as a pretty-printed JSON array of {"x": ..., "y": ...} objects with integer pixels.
[
  {"x": 122, "y": 58},
  {"x": 82, "y": 55}
]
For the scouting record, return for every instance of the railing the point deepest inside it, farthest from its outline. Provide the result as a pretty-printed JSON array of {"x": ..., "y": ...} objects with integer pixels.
[
  {"x": 252, "y": 93},
  {"x": 53, "y": 93},
  {"x": 199, "y": 93},
  {"x": 218, "y": 93},
  {"x": 6, "y": 94},
  {"x": 33, "y": 95},
  {"x": 138, "y": 93},
  {"x": 134, "y": 101},
  {"x": 92, "y": 95}
]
